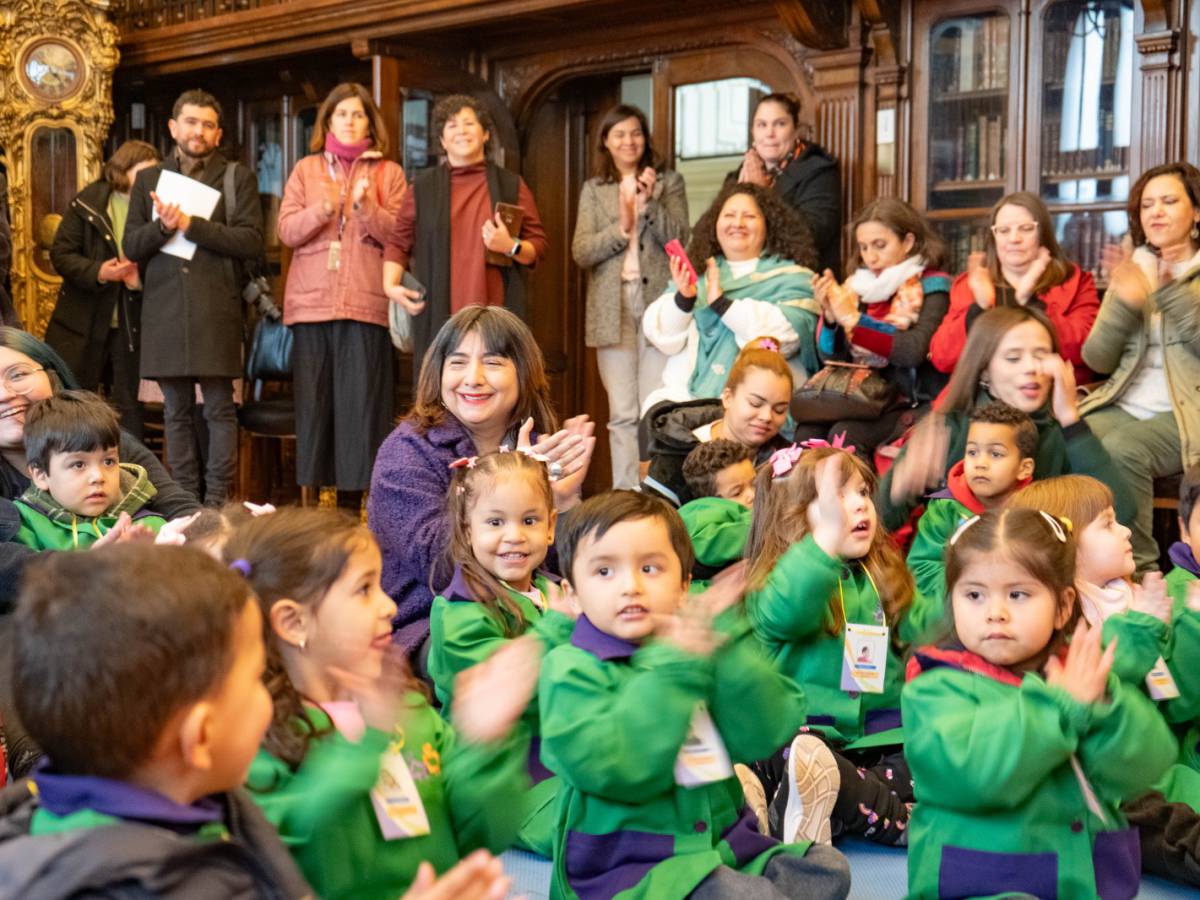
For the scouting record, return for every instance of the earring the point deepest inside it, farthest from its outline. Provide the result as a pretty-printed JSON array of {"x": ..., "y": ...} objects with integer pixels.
[
  {"x": 303, "y": 644},
  {"x": 1195, "y": 232}
]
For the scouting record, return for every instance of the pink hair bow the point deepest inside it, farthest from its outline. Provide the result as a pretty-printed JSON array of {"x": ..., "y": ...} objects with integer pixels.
[
  {"x": 839, "y": 443},
  {"x": 464, "y": 462},
  {"x": 785, "y": 459}
]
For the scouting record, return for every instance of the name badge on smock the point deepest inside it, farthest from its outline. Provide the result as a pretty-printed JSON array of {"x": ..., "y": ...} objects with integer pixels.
[
  {"x": 335, "y": 256},
  {"x": 397, "y": 804},
  {"x": 703, "y": 758},
  {"x": 1161, "y": 683},
  {"x": 864, "y": 658}
]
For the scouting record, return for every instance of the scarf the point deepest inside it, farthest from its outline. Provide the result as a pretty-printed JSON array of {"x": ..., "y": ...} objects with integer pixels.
[
  {"x": 872, "y": 288},
  {"x": 795, "y": 153},
  {"x": 781, "y": 282},
  {"x": 346, "y": 154},
  {"x": 1099, "y": 603}
]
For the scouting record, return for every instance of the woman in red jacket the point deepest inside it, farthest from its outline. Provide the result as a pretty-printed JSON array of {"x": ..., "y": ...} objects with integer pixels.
[
  {"x": 338, "y": 208},
  {"x": 1023, "y": 265}
]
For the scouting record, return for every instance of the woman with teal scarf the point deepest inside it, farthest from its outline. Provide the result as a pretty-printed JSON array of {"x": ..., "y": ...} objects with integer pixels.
[{"x": 757, "y": 282}]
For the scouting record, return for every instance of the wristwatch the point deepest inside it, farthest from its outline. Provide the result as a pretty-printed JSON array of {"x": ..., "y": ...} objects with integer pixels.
[{"x": 516, "y": 248}]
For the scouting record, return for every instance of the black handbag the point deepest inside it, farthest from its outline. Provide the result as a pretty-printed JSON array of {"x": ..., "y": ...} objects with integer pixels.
[
  {"x": 843, "y": 391},
  {"x": 270, "y": 356}
]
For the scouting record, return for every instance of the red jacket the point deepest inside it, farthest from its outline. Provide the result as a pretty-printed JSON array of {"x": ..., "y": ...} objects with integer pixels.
[
  {"x": 355, "y": 290},
  {"x": 1071, "y": 306}
]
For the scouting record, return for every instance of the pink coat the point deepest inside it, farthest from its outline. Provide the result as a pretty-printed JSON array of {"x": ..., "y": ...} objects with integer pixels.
[{"x": 355, "y": 290}]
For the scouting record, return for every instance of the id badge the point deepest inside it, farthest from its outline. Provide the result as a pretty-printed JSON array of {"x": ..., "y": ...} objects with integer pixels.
[
  {"x": 1161, "y": 683},
  {"x": 864, "y": 658},
  {"x": 703, "y": 758},
  {"x": 335, "y": 256},
  {"x": 397, "y": 804}
]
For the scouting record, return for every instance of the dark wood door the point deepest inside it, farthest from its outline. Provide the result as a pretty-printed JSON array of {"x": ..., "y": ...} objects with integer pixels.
[{"x": 557, "y": 157}]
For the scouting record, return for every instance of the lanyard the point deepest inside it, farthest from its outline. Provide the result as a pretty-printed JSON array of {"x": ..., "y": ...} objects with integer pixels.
[
  {"x": 341, "y": 210},
  {"x": 879, "y": 614}
]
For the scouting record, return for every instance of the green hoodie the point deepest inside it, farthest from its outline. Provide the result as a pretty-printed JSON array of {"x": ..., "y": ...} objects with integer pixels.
[
  {"x": 1061, "y": 451},
  {"x": 47, "y": 525},
  {"x": 718, "y": 529},
  {"x": 996, "y": 761}
]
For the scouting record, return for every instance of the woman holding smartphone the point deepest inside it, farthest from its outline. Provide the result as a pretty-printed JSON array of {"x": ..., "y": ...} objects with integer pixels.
[
  {"x": 450, "y": 234},
  {"x": 628, "y": 213}
]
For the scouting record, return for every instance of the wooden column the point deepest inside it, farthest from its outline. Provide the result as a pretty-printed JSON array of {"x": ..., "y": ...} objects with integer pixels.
[
  {"x": 385, "y": 91},
  {"x": 1159, "y": 132},
  {"x": 838, "y": 84}
]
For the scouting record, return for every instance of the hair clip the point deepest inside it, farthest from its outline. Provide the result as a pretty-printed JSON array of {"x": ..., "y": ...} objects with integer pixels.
[
  {"x": 768, "y": 343},
  {"x": 554, "y": 470},
  {"x": 958, "y": 532},
  {"x": 1056, "y": 526},
  {"x": 242, "y": 566},
  {"x": 465, "y": 462}
]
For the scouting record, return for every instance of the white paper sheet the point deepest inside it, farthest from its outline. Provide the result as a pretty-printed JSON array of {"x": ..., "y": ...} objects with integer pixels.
[{"x": 194, "y": 198}]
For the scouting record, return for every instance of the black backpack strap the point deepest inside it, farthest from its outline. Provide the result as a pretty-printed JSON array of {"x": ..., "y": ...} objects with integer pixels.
[{"x": 230, "y": 190}]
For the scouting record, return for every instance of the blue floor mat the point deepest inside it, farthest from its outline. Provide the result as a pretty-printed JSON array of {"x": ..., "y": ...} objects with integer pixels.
[
  {"x": 876, "y": 873},
  {"x": 881, "y": 873}
]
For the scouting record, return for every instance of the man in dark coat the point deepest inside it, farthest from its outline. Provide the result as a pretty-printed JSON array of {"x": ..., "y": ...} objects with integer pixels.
[{"x": 192, "y": 309}]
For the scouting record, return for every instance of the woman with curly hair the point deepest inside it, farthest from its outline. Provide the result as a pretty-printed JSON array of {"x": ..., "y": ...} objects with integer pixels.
[{"x": 757, "y": 281}]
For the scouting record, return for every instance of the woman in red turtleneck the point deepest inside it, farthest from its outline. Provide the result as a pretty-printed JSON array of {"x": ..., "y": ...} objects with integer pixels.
[
  {"x": 448, "y": 222},
  {"x": 338, "y": 208}
]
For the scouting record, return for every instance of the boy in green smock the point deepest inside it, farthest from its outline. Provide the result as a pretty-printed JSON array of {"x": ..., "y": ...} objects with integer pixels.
[
  {"x": 720, "y": 475},
  {"x": 644, "y": 713},
  {"x": 997, "y": 462},
  {"x": 139, "y": 673}
]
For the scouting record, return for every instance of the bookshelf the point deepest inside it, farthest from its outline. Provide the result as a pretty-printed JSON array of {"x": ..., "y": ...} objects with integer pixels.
[
  {"x": 968, "y": 123},
  {"x": 1035, "y": 95},
  {"x": 1086, "y": 122}
]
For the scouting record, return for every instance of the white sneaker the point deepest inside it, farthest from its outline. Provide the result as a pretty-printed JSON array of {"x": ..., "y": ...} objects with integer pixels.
[{"x": 813, "y": 785}]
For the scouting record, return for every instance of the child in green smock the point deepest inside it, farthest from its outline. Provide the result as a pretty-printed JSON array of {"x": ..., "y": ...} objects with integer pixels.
[
  {"x": 644, "y": 713},
  {"x": 502, "y": 517},
  {"x": 1022, "y": 751},
  {"x": 362, "y": 777},
  {"x": 720, "y": 474}
]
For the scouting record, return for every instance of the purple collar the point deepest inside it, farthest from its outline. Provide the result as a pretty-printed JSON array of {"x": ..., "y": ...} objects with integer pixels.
[
  {"x": 1181, "y": 555},
  {"x": 458, "y": 590},
  {"x": 601, "y": 645},
  {"x": 62, "y": 795}
]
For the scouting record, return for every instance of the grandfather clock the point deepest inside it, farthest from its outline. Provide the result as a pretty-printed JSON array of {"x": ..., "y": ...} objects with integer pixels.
[{"x": 56, "y": 63}]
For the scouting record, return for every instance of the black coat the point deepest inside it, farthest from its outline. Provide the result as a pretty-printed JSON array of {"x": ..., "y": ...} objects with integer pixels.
[
  {"x": 670, "y": 427},
  {"x": 812, "y": 185},
  {"x": 79, "y": 325},
  {"x": 192, "y": 309},
  {"x": 431, "y": 254}
]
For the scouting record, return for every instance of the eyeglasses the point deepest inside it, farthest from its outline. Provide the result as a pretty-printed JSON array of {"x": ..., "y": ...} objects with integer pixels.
[
  {"x": 20, "y": 379},
  {"x": 1025, "y": 229}
]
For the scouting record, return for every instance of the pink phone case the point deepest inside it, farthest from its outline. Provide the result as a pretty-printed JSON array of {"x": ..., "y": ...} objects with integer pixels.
[{"x": 675, "y": 249}]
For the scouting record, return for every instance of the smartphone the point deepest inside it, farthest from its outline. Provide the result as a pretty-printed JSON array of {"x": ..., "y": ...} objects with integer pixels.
[
  {"x": 675, "y": 249},
  {"x": 407, "y": 280}
]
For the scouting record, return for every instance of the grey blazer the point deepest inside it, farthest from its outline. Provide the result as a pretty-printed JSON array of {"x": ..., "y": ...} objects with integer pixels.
[{"x": 599, "y": 247}]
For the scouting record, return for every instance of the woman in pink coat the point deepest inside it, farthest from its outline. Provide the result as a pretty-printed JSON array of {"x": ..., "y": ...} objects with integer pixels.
[{"x": 338, "y": 208}]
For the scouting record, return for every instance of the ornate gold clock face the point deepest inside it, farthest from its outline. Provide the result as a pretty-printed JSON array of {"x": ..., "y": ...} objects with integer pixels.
[{"x": 52, "y": 70}]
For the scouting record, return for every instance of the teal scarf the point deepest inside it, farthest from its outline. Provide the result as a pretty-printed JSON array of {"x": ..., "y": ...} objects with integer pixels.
[{"x": 786, "y": 284}]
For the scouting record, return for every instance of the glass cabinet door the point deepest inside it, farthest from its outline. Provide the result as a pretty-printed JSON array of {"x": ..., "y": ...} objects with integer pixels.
[
  {"x": 1086, "y": 122},
  {"x": 968, "y": 111}
]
